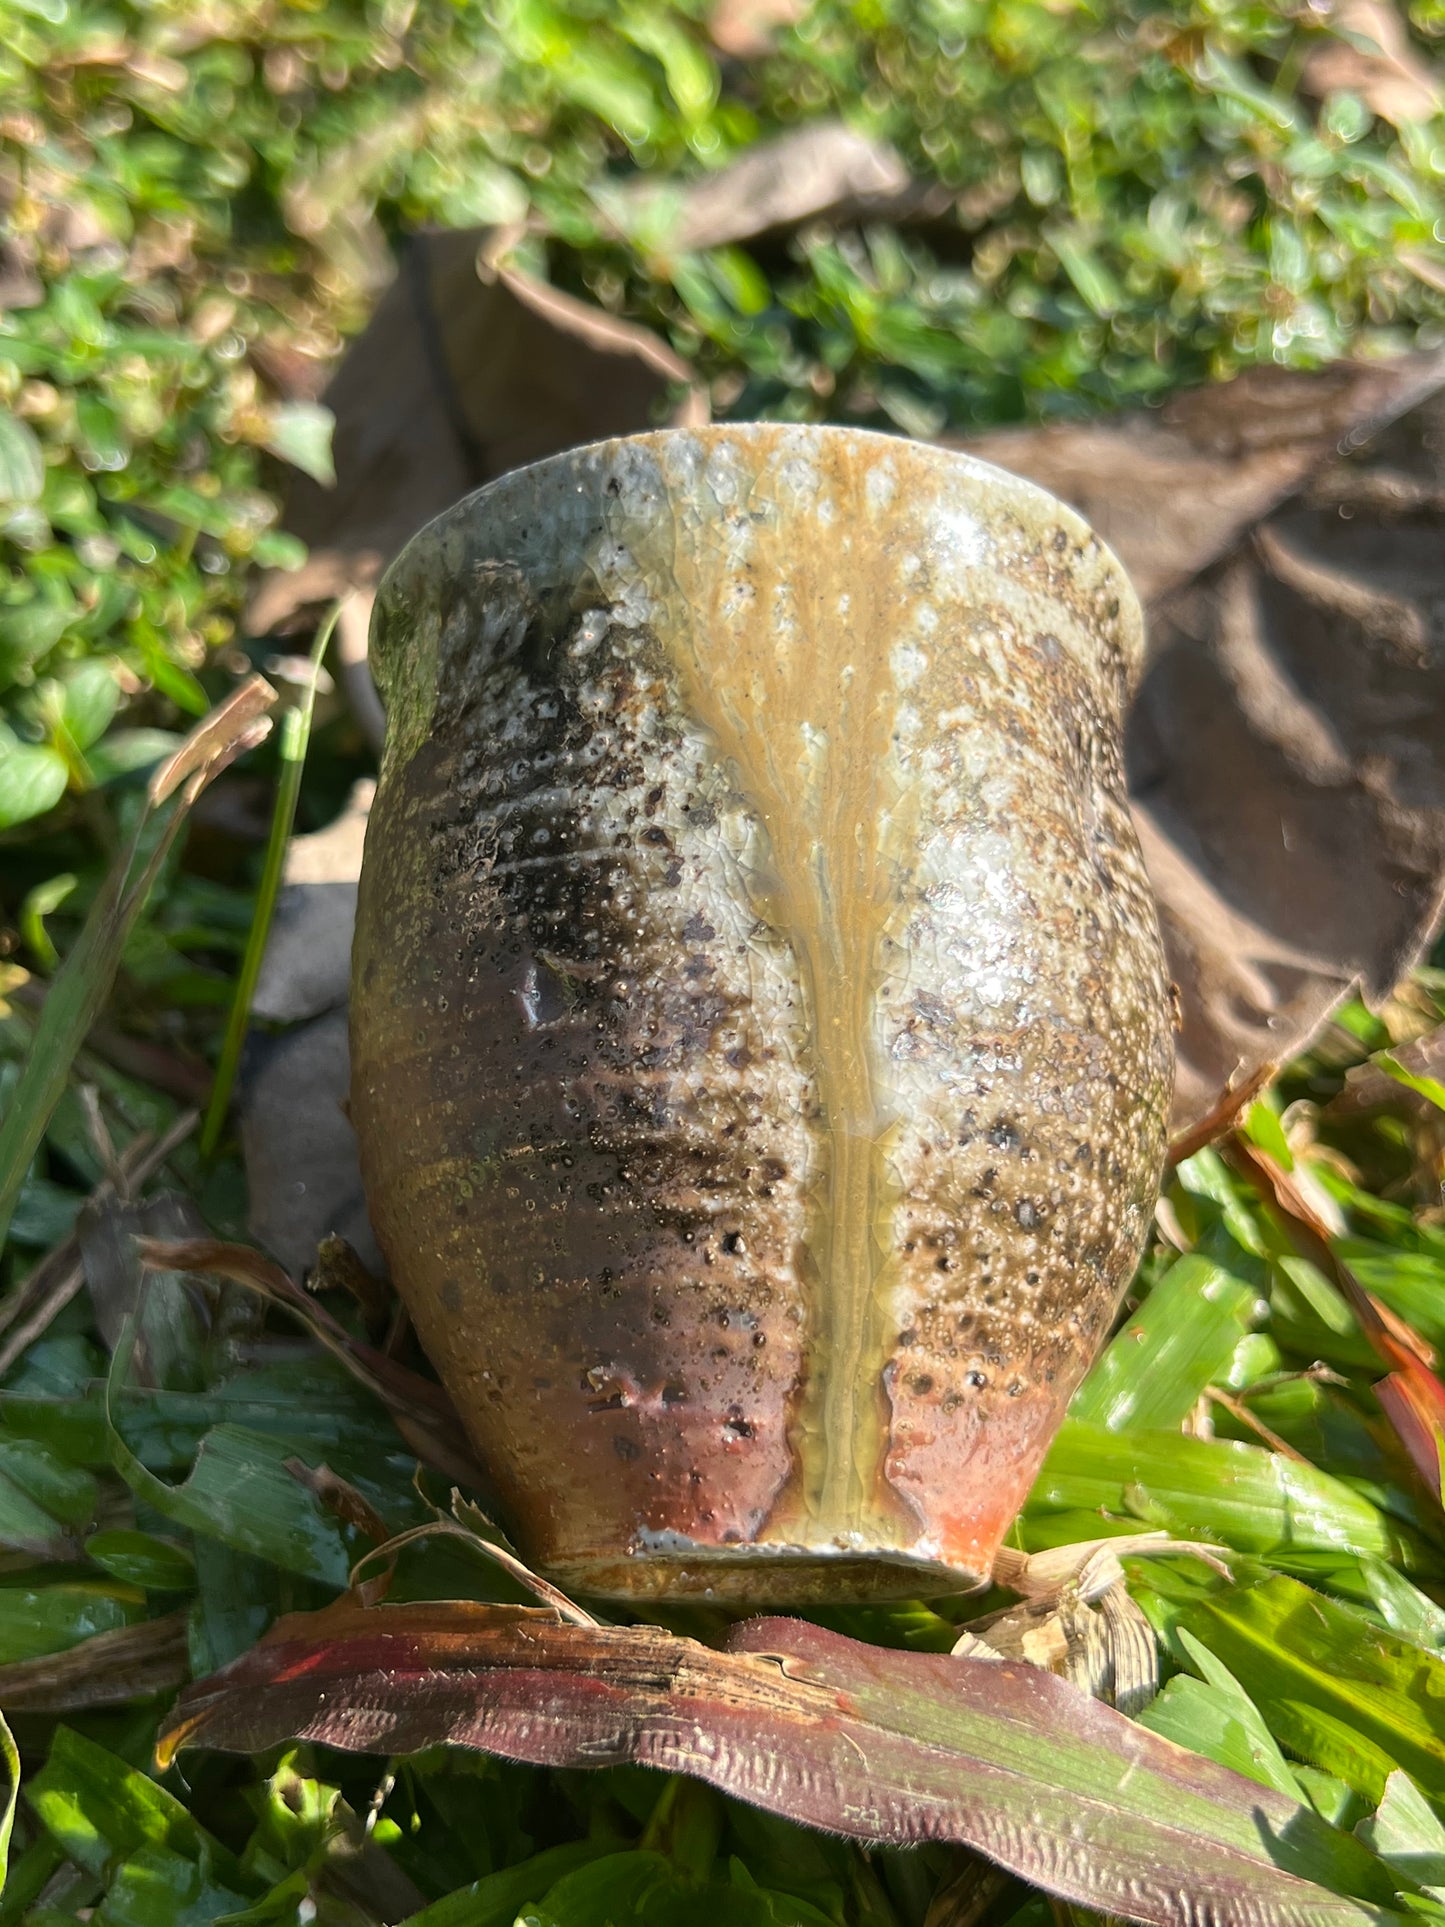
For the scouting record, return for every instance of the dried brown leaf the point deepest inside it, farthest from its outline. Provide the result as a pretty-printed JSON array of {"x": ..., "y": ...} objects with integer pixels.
[
  {"x": 1375, "y": 58},
  {"x": 419, "y": 1407},
  {"x": 822, "y": 171},
  {"x": 110, "y": 1669},
  {"x": 1284, "y": 746},
  {"x": 466, "y": 370},
  {"x": 232, "y": 728},
  {"x": 1368, "y": 1087}
]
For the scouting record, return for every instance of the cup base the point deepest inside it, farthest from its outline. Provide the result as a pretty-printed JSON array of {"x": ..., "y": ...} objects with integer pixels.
[{"x": 762, "y": 1576}]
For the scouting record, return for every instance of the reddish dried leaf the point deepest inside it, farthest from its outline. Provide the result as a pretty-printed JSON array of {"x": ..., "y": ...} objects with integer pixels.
[
  {"x": 1413, "y": 1400},
  {"x": 882, "y": 1746},
  {"x": 1411, "y": 1397}
]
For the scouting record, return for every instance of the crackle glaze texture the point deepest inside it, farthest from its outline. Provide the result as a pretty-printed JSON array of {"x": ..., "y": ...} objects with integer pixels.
[{"x": 760, "y": 1036}]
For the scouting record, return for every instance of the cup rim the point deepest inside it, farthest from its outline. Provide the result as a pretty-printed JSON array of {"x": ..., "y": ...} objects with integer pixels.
[{"x": 1034, "y": 502}]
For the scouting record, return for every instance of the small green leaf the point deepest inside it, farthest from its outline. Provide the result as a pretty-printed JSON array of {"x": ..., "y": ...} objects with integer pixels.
[
  {"x": 125, "y": 752},
  {"x": 650, "y": 1887},
  {"x": 497, "y": 1900},
  {"x": 67, "y": 1492},
  {"x": 1262, "y": 1127},
  {"x": 1427, "y": 1087},
  {"x": 239, "y": 1491},
  {"x": 1182, "y": 1338},
  {"x": 692, "y": 78},
  {"x": 90, "y": 698},
  {"x": 1403, "y": 1607},
  {"x": 1215, "y": 1716},
  {"x": 32, "y": 780},
  {"x": 39, "y": 903},
  {"x": 22, "y": 463},
  {"x": 159, "y": 1888},
  {"x": 104, "y": 443},
  {"x": 44, "y": 1214},
  {"x": 141, "y": 1559},
  {"x": 300, "y": 433},
  {"x": 52, "y": 1618},
  {"x": 29, "y": 631},
  {"x": 279, "y": 549},
  {"x": 1342, "y": 1693},
  {"x": 1088, "y": 273}
]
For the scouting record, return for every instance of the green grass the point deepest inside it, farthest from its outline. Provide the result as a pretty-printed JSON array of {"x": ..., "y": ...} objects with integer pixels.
[{"x": 1139, "y": 196}]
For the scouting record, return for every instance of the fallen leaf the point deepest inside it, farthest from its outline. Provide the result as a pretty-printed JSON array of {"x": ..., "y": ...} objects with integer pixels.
[
  {"x": 881, "y": 1746},
  {"x": 1173, "y": 489},
  {"x": 1376, "y": 1086},
  {"x": 112, "y": 1669},
  {"x": 1284, "y": 746},
  {"x": 1371, "y": 54},
  {"x": 470, "y": 367},
  {"x": 467, "y": 369},
  {"x": 824, "y": 171}
]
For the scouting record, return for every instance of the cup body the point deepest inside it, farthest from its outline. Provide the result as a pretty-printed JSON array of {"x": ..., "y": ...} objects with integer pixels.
[{"x": 761, "y": 1043}]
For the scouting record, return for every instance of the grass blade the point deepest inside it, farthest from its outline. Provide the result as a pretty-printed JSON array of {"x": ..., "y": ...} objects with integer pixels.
[
  {"x": 100, "y": 1811},
  {"x": 1221, "y": 1490},
  {"x": 1181, "y": 1339},
  {"x": 1343, "y": 1694},
  {"x": 12, "y": 1773},
  {"x": 295, "y": 736}
]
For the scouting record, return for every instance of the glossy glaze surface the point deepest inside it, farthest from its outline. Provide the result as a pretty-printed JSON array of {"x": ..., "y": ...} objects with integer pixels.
[{"x": 760, "y": 1035}]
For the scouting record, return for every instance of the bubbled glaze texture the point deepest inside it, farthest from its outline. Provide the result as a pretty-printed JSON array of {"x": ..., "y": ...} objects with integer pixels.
[{"x": 761, "y": 1049}]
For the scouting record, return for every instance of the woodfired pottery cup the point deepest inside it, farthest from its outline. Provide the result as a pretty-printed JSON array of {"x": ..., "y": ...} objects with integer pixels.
[{"x": 761, "y": 1041}]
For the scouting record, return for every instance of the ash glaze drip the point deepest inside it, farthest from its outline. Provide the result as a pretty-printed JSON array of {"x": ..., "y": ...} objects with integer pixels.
[{"x": 760, "y": 1038}]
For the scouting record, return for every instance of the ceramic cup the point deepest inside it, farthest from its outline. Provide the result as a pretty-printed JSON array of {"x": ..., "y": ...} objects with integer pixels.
[{"x": 761, "y": 1041}]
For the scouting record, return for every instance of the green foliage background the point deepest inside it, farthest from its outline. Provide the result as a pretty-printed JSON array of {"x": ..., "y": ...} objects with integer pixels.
[{"x": 199, "y": 201}]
